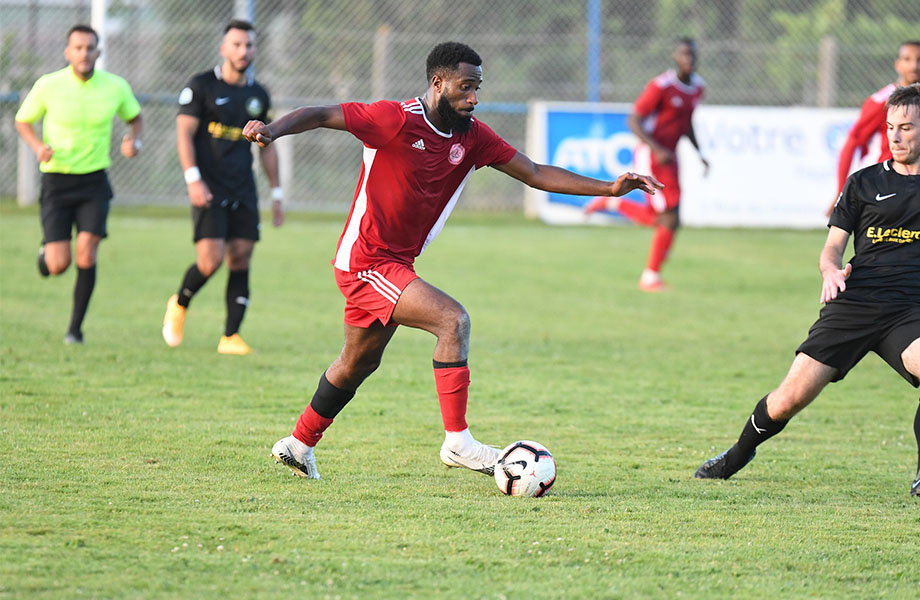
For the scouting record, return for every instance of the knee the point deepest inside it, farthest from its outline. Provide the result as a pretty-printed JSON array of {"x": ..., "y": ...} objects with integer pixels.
[
  {"x": 208, "y": 267},
  {"x": 57, "y": 266},
  {"x": 669, "y": 220},
  {"x": 356, "y": 370},
  {"x": 460, "y": 322},
  {"x": 911, "y": 358}
]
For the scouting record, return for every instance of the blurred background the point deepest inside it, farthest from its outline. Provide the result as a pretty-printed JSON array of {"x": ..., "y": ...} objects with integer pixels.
[{"x": 823, "y": 53}]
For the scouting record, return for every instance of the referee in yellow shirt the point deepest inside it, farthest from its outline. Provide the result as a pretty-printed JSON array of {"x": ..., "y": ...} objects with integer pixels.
[{"x": 76, "y": 105}]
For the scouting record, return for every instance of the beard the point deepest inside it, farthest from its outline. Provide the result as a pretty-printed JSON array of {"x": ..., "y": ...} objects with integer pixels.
[{"x": 456, "y": 122}]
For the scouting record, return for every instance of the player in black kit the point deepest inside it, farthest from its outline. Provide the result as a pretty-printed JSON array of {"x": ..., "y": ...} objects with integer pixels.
[
  {"x": 872, "y": 303},
  {"x": 217, "y": 162}
]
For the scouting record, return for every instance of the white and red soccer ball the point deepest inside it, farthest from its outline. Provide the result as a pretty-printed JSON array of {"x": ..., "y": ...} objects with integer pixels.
[{"x": 525, "y": 468}]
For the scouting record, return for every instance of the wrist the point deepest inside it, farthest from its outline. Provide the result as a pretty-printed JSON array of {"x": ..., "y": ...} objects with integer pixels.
[
  {"x": 137, "y": 144},
  {"x": 192, "y": 174},
  {"x": 278, "y": 194}
]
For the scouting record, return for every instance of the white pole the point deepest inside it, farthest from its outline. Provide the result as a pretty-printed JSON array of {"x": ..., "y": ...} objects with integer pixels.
[{"x": 98, "y": 23}]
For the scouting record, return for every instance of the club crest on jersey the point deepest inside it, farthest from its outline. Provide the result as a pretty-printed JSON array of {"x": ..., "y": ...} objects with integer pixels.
[
  {"x": 676, "y": 101},
  {"x": 457, "y": 152},
  {"x": 254, "y": 107}
]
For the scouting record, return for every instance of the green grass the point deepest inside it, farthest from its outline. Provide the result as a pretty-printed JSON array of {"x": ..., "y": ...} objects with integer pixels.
[{"x": 131, "y": 470}]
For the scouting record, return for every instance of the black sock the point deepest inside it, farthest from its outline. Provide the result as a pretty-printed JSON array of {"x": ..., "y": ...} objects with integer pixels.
[
  {"x": 237, "y": 300},
  {"x": 329, "y": 400},
  {"x": 191, "y": 283},
  {"x": 917, "y": 435},
  {"x": 758, "y": 429},
  {"x": 82, "y": 290}
]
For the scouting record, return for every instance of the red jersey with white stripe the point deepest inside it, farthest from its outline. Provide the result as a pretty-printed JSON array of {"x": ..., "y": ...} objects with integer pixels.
[
  {"x": 411, "y": 179},
  {"x": 666, "y": 106},
  {"x": 867, "y": 142}
]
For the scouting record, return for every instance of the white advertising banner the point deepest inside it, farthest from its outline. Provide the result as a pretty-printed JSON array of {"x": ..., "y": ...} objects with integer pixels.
[{"x": 769, "y": 166}]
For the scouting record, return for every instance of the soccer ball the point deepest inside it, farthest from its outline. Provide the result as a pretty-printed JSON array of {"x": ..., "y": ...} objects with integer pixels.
[{"x": 525, "y": 468}]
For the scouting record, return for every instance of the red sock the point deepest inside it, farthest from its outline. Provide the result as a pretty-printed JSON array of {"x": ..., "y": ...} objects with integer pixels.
[
  {"x": 658, "y": 252},
  {"x": 310, "y": 427},
  {"x": 638, "y": 212},
  {"x": 453, "y": 385}
]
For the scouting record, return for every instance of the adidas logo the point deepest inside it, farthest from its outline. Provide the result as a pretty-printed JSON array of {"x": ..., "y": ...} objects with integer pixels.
[{"x": 419, "y": 145}]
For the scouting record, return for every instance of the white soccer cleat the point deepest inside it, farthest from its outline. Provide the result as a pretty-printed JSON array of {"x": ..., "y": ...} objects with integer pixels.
[
  {"x": 477, "y": 457},
  {"x": 297, "y": 456}
]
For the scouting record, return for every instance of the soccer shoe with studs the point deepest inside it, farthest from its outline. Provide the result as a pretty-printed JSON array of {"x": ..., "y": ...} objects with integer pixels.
[
  {"x": 73, "y": 339},
  {"x": 915, "y": 486},
  {"x": 298, "y": 457},
  {"x": 718, "y": 468},
  {"x": 596, "y": 205},
  {"x": 479, "y": 457},
  {"x": 42, "y": 265},
  {"x": 233, "y": 344},
  {"x": 173, "y": 321}
]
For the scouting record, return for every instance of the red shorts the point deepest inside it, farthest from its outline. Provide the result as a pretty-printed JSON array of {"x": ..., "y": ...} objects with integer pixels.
[
  {"x": 371, "y": 295},
  {"x": 669, "y": 197}
]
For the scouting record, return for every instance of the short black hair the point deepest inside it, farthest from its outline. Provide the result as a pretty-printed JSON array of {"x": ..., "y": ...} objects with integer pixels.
[
  {"x": 82, "y": 29},
  {"x": 447, "y": 56},
  {"x": 909, "y": 95},
  {"x": 910, "y": 43},
  {"x": 686, "y": 41},
  {"x": 239, "y": 24}
]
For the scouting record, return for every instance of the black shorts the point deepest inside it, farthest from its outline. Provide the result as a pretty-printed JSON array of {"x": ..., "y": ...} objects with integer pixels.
[
  {"x": 227, "y": 219},
  {"x": 68, "y": 199},
  {"x": 846, "y": 331}
]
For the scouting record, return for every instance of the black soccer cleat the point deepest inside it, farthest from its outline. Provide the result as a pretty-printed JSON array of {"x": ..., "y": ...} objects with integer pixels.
[
  {"x": 915, "y": 486},
  {"x": 718, "y": 467},
  {"x": 42, "y": 265}
]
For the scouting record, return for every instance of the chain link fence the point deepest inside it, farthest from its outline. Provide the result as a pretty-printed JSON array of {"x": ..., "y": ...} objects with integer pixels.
[{"x": 752, "y": 52}]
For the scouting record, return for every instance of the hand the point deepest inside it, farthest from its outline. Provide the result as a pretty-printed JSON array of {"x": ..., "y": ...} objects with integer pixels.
[
  {"x": 44, "y": 153},
  {"x": 258, "y": 132},
  {"x": 129, "y": 148},
  {"x": 199, "y": 194},
  {"x": 834, "y": 282},
  {"x": 663, "y": 156},
  {"x": 277, "y": 213},
  {"x": 630, "y": 181}
]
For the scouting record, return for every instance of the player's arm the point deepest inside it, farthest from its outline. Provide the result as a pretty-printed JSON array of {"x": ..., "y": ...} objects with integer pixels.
[
  {"x": 833, "y": 273},
  {"x": 561, "y": 181},
  {"x": 634, "y": 122},
  {"x": 131, "y": 142},
  {"x": 269, "y": 158},
  {"x": 198, "y": 192},
  {"x": 298, "y": 120},
  {"x": 862, "y": 131},
  {"x": 26, "y": 131},
  {"x": 691, "y": 135}
]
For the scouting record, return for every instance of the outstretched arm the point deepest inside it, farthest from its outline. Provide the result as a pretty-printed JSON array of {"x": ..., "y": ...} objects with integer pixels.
[
  {"x": 830, "y": 263},
  {"x": 561, "y": 181},
  {"x": 297, "y": 121}
]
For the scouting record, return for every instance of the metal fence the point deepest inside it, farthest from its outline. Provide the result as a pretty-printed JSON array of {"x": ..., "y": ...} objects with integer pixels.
[{"x": 752, "y": 52}]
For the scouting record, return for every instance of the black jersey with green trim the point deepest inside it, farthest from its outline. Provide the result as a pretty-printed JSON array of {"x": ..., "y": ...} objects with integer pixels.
[
  {"x": 222, "y": 154},
  {"x": 881, "y": 209}
]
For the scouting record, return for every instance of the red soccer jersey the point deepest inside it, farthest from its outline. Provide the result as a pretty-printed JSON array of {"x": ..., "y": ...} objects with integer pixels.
[
  {"x": 411, "y": 178},
  {"x": 666, "y": 106},
  {"x": 867, "y": 142}
]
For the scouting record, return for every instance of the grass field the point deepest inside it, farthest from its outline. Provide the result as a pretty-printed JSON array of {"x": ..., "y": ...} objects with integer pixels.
[{"x": 131, "y": 470}]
